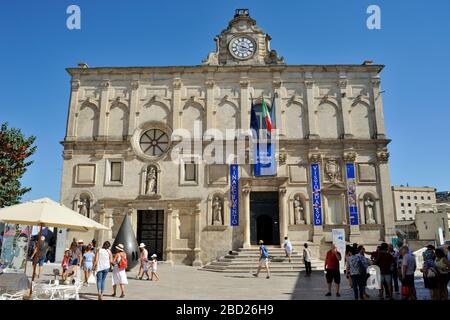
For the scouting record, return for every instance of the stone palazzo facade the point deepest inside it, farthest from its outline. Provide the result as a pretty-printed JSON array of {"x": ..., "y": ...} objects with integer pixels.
[{"x": 117, "y": 151}]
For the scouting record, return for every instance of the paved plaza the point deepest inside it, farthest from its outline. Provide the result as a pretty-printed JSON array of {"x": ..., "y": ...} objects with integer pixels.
[{"x": 189, "y": 283}]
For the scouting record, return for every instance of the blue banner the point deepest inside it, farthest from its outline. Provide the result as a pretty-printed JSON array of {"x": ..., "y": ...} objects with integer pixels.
[
  {"x": 234, "y": 194},
  {"x": 351, "y": 194},
  {"x": 316, "y": 199},
  {"x": 263, "y": 148}
]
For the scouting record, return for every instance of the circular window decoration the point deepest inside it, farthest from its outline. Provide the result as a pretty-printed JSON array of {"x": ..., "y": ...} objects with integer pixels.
[{"x": 154, "y": 142}]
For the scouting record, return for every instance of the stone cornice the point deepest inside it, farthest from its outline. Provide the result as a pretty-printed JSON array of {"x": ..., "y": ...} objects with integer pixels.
[{"x": 236, "y": 68}]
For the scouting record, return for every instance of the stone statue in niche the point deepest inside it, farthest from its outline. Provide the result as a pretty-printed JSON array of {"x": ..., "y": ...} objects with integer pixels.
[
  {"x": 333, "y": 170},
  {"x": 84, "y": 206},
  {"x": 298, "y": 211},
  {"x": 150, "y": 181},
  {"x": 369, "y": 205},
  {"x": 217, "y": 211}
]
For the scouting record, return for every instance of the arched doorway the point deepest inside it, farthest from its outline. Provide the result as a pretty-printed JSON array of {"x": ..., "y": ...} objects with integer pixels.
[{"x": 264, "y": 224}]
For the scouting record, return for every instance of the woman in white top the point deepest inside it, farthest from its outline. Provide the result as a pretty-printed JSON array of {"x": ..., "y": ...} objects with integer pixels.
[
  {"x": 287, "y": 248},
  {"x": 102, "y": 264},
  {"x": 119, "y": 273}
]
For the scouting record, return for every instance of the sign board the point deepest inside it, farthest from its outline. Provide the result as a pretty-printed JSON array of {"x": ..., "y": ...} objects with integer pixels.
[
  {"x": 339, "y": 241},
  {"x": 16, "y": 239},
  {"x": 351, "y": 194},
  {"x": 234, "y": 195},
  {"x": 316, "y": 199}
]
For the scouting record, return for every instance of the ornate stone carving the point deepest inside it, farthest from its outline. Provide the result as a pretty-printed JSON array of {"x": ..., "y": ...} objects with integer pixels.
[
  {"x": 333, "y": 169},
  {"x": 217, "y": 210},
  {"x": 342, "y": 83},
  {"x": 75, "y": 84},
  {"x": 134, "y": 84},
  {"x": 349, "y": 156},
  {"x": 383, "y": 156},
  {"x": 177, "y": 83},
  {"x": 151, "y": 180},
  {"x": 369, "y": 209},
  {"x": 282, "y": 190},
  {"x": 105, "y": 84},
  {"x": 210, "y": 84},
  {"x": 276, "y": 83},
  {"x": 315, "y": 157},
  {"x": 282, "y": 157},
  {"x": 309, "y": 84},
  {"x": 298, "y": 211},
  {"x": 375, "y": 82},
  {"x": 243, "y": 83},
  {"x": 67, "y": 154},
  {"x": 246, "y": 189}
]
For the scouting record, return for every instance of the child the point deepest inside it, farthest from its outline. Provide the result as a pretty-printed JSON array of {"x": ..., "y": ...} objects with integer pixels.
[
  {"x": 65, "y": 264},
  {"x": 154, "y": 267},
  {"x": 88, "y": 263}
]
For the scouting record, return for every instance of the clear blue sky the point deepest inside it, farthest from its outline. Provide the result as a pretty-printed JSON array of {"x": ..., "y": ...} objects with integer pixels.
[{"x": 413, "y": 43}]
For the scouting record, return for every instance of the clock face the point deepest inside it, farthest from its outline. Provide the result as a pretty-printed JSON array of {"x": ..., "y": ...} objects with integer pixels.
[{"x": 242, "y": 47}]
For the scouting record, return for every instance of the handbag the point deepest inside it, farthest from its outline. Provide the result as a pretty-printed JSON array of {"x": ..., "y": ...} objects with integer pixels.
[
  {"x": 91, "y": 279},
  {"x": 405, "y": 291}
]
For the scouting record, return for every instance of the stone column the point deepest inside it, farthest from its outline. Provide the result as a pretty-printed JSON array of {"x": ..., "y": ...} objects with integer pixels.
[
  {"x": 197, "y": 226},
  {"x": 376, "y": 99},
  {"x": 104, "y": 101},
  {"x": 134, "y": 107},
  {"x": 73, "y": 110},
  {"x": 276, "y": 85},
  {"x": 284, "y": 218},
  {"x": 310, "y": 106},
  {"x": 176, "y": 103},
  {"x": 132, "y": 214},
  {"x": 344, "y": 95},
  {"x": 105, "y": 218},
  {"x": 210, "y": 107},
  {"x": 169, "y": 234},
  {"x": 246, "y": 201},
  {"x": 245, "y": 104},
  {"x": 386, "y": 195}
]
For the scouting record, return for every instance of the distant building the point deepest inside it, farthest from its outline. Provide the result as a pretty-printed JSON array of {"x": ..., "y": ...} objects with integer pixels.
[
  {"x": 443, "y": 197},
  {"x": 430, "y": 218},
  {"x": 406, "y": 199}
]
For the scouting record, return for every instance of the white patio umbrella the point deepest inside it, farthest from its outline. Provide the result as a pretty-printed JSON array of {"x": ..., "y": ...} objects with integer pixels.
[{"x": 47, "y": 213}]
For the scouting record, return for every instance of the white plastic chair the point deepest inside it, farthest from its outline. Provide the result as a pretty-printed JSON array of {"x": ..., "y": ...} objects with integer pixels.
[{"x": 16, "y": 296}]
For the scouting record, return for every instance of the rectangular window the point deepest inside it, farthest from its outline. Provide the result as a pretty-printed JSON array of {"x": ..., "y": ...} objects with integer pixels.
[
  {"x": 402, "y": 204},
  {"x": 415, "y": 197},
  {"x": 409, "y": 204},
  {"x": 403, "y": 211},
  {"x": 408, "y": 197},
  {"x": 410, "y": 211},
  {"x": 401, "y": 197},
  {"x": 422, "y": 198},
  {"x": 190, "y": 172},
  {"x": 429, "y": 198},
  {"x": 116, "y": 171}
]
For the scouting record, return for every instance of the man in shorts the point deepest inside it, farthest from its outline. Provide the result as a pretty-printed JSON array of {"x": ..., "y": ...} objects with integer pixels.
[
  {"x": 332, "y": 269},
  {"x": 41, "y": 252},
  {"x": 263, "y": 260}
]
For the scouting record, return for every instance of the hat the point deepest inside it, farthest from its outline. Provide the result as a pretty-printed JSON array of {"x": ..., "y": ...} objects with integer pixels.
[
  {"x": 119, "y": 247},
  {"x": 80, "y": 241},
  {"x": 154, "y": 255},
  {"x": 430, "y": 246},
  {"x": 142, "y": 245},
  {"x": 66, "y": 249},
  {"x": 261, "y": 242}
]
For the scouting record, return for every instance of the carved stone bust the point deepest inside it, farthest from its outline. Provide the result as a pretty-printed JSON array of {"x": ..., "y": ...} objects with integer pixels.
[{"x": 333, "y": 169}]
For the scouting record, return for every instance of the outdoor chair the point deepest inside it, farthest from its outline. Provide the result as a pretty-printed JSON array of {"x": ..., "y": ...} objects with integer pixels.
[{"x": 16, "y": 296}]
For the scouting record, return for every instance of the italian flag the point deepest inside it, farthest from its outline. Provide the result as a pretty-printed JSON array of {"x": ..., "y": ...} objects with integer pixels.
[{"x": 266, "y": 115}]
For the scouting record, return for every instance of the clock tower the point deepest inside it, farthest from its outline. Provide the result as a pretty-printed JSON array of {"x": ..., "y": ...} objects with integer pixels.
[{"x": 243, "y": 43}]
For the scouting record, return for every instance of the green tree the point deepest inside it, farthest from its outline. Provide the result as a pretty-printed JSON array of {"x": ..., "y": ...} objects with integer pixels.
[{"x": 15, "y": 148}]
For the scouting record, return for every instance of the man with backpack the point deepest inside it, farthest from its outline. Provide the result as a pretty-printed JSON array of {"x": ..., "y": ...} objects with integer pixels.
[{"x": 263, "y": 259}]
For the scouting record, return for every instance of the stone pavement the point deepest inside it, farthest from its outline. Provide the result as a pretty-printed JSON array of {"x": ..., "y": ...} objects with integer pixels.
[{"x": 189, "y": 283}]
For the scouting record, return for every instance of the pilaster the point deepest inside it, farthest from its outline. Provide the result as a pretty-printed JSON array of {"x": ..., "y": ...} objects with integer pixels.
[
  {"x": 344, "y": 95},
  {"x": 104, "y": 100},
  {"x": 176, "y": 104},
  {"x": 310, "y": 106},
  {"x": 246, "y": 201},
  {"x": 284, "y": 218},
  {"x": 73, "y": 105},
  {"x": 210, "y": 107},
  {"x": 375, "y": 95},
  {"x": 169, "y": 234},
  {"x": 134, "y": 100},
  {"x": 245, "y": 103},
  {"x": 197, "y": 222}
]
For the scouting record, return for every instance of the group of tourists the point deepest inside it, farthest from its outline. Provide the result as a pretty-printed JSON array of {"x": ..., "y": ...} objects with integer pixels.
[
  {"x": 96, "y": 263},
  {"x": 394, "y": 267}
]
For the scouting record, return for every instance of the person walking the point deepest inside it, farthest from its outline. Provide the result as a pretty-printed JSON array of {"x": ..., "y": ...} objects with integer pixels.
[
  {"x": 65, "y": 264},
  {"x": 154, "y": 267},
  {"x": 263, "y": 260},
  {"x": 385, "y": 261},
  {"x": 41, "y": 255},
  {"x": 408, "y": 269},
  {"x": 332, "y": 269},
  {"x": 361, "y": 251},
  {"x": 102, "y": 264},
  {"x": 442, "y": 267},
  {"x": 143, "y": 259},
  {"x": 394, "y": 253},
  {"x": 348, "y": 253},
  {"x": 307, "y": 260},
  {"x": 430, "y": 274},
  {"x": 88, "y": 263},
  {"x": 75, "y": 258},
  {"x": 356, "y": 268},
  {"x": 119, "y": 270},
  {"x": 287, "y": 248}
]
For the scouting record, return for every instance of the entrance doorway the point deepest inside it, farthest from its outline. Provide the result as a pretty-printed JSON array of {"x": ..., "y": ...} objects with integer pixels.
[
  {"x": 150, "y": 231},
  {"x": 264, "y": 218}
]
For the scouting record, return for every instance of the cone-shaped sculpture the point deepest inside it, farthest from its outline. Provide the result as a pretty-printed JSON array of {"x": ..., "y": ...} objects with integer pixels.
[{"x": 126, "y": 237}]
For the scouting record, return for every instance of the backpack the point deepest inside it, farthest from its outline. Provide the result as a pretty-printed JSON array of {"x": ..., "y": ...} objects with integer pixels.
[
  {"x": 264, "y": 252},
  {"x": 123, "y": 264}
]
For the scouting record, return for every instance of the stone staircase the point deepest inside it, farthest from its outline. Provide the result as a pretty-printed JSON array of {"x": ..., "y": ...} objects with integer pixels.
[{"x": 246, "y": 261}]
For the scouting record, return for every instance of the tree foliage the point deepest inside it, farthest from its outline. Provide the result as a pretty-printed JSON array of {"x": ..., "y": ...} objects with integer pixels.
[{"x": 15, "y": 148}]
